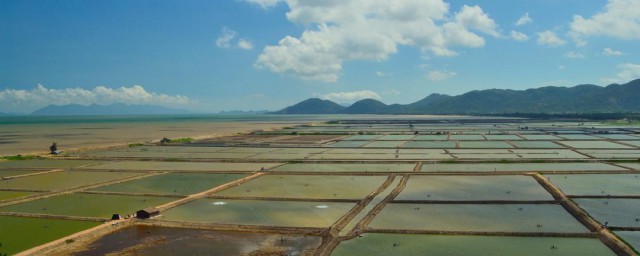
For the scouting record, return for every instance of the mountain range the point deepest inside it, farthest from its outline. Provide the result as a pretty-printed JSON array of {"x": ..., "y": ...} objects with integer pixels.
[
  {"x": 113, "y": 109},
  {"x": 587, "y": 98}
]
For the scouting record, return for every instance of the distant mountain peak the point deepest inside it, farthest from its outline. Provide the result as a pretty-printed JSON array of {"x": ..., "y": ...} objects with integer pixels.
[{"x": 585, "y": 98}]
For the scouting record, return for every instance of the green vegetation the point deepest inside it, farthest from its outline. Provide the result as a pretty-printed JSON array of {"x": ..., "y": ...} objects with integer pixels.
[
  {"x": 132, "y": 145},
  {"x": 19, "y": 157},
  {"x": 181, "y": 140}
]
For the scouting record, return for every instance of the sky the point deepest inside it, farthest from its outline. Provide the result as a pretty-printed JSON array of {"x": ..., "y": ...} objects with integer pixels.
[{"x": 209, "y": 56}]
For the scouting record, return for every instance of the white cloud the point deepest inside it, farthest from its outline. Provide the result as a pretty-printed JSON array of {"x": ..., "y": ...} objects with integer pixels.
[
  {"x": 264, "y": 3},
  {"x": 29, "y": 100},
  {"x": 346, "y": 97},
  {"x": 619, "y": 19},
  {"x": 550, "y": 38},
  {"x": 610, "y": 52},
  {"x": 225, "y": 37},
  {"x": 525, "y": 19},
  {"x": 370, "y": 30},
  {"x": 440, "y": 75},
  {"x": 561, "y": 67},
  {"x": 628, "y": 72},
  {"x": 244, "y": 44},
  {"x": 518, "y": 36},
  {"x": 574, "y": 55},
  {"x": 226, "y": 40},
  {"x": 380, "y": 74}
]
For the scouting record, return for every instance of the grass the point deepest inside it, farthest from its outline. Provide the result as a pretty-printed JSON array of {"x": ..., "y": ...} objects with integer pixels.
[
  {"x": 136, "y": 145},
  {"x": 18, "y": 157},
  {"x": 181, "y": 140}
]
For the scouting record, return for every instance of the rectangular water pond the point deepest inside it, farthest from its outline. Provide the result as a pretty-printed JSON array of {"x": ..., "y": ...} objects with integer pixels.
[
  {"x": 259, "y": 212},
  {"x": 484, "y": 144},
  {"x": 304, "y": 186},
  {"x": 371, "y": 244},
  {"x": 349, "y": 144},
  {"x": 502, "y": 137},
  {"x": 152, "y": 240},
  {"x": 521, "y": 167},
  {"x": 539, "y": 137},
  {"x": 594, "y": 144},
  {"x": 548, "y": 218},
  {"x": 173, "y": 183},
  {"x": 613, "y": 212},
  {"x": 430, "y": 144},
  {"x": 345, "y": 168},
  {"x": 45, "y": 164},
  {"x": 9, "y": 173},
  {"x": 4, "y": 195},
  {"x": 385, "y": 144},
  {"x": 21, "y": 233},
  {"x": 473, "y": 188},
  {"x": 182, "y": 166},
  {"x": 87, "y": 205},
  {"x": 63, "y": 180},
  {"x": 631, "y": 237},
  {"x": 536, "y": 144},
  {"x": 598, "y": 184}
]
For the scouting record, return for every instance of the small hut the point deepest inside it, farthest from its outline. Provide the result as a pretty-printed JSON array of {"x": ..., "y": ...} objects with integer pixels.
[{"x": 147, "y": 213}]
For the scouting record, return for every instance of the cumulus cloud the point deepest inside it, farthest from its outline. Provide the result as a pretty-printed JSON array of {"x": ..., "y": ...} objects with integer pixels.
[
  {"x": 244, "y": 44},
  {"x": 525, "y": 19},
  {"x": 440, "y": 75},
  {"x": 347, "y": 97},
  {"x": 264, "y": 3},
  {"x": 370, "y": 30},
  {"x": 628, "y": 72},
  {"x": 380, "y": 74},
  {"x": 227, "y": 37},
  {"x": 549, "y": 38},
  {"x": 610, "y": 52},
  {"x": 29, "y": 100},
  {"x": 574, "y": 55},
  {"x": 619, "y": 19},
  {"x": 518, "y": 36}
]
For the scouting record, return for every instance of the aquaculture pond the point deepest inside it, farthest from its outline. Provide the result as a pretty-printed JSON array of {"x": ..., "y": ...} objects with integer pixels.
[
  {"x": 385, "y": 144},
  {"x": 302, "y": 186},
  {"x": 521, "y": 167},
  {"x": 548, "y": 218},
  {"x": 631, "y": 237},
  {"x": 312, "y": 167},
  {"x": 430, "y": 144},
  {"x": 45, "y": 164},
  {"x": 4, "y": 195},
  {"x": 173, "y": 183},
  {"x": 539, "y": 137},
  {"x": 598, "y": 184},
  {"x": 182, "y": 166},
  {"x": 87, "y": 205},
  {"x": 536, "y": 144},
  {"x": 152, "y": 240},
  {"x": 471, "y": 188},
  {"x": 63, "y": 180},
  {"x": 594, "y": 144},
  {"x": 21, "y": 233},
  {"x": 461, "y": 245},
  {"x": 484, "y": 144},
  {"x": 349, "y": 144},
  {"x": 259, "y": 212},
  {"x": 614, "y": 212},
  {"x": 10, "y": 173}
]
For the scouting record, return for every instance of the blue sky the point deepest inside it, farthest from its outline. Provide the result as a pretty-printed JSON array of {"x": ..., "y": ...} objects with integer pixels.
[{"x": 267, "y": 54}]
